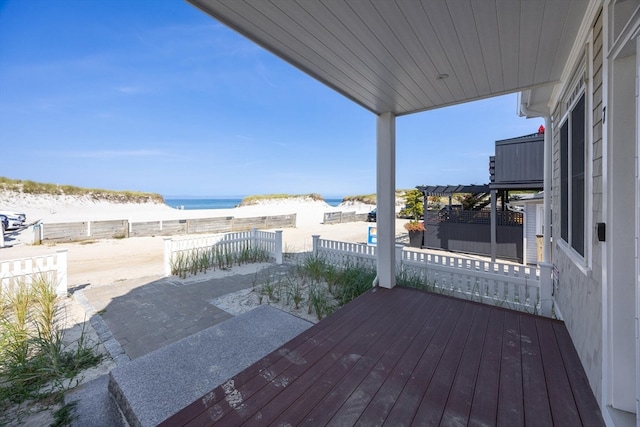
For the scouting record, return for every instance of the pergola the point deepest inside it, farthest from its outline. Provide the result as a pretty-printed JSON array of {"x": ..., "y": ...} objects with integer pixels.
[
  {"x": 397, "y": 57},
  {"x": 450, "y": 190}
]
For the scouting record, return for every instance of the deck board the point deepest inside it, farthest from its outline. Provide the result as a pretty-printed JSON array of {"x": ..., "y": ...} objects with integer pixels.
[
  {"x": 435, "y": 398},
  {"x": 357, "y": 399},
  {"x": 563, "y": 408},
  {"x": 510, "y": 395},
  {"x": 342, "y": 358},
  {"x": 359, "y": 381},
  {"x": 410, "y": 398},
  {"x": 408, "y": 357},
  {"x": 462, "y": 390},
  {"x": 484, "y": 408},
  {"x": 536, "y": 403},
  {"x": 354, "y": 338},
  {"x": 584, "y": 398},
  {"x": 388, "y": 394}
]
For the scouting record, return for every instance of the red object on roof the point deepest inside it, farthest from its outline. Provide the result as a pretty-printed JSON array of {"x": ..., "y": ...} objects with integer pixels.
[{"x": 541, "y": 129}]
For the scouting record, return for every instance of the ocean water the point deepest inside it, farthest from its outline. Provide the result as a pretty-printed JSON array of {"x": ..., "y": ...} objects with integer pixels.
[
  {"x": 215, "y": 203},
  {"x": 189, "y": 204}
]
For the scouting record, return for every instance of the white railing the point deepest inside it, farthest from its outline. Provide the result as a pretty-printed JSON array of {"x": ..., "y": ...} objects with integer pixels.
[
  {"x": 24, "y": 271},
  {"x": 344, "y": 253},
  {"x": 519, "y": 287},
  {"x": 229, "y": 243}
]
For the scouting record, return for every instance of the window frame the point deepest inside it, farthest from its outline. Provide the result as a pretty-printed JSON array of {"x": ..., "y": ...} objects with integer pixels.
[
  {"x": 571, "y": 180},
  {"x": 539, "y": 220}
]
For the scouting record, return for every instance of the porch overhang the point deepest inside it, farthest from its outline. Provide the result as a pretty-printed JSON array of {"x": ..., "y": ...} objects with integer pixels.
[{"x": 406, "y": 56}]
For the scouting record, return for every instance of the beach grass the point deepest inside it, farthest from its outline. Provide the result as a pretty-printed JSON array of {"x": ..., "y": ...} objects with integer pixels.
[
  {"x": 322, "y": 287},
  {"x": 201, "y": 260},
  {"x": 256, "y": 199},
  {"x": 40, "y": 188},
  {"x": 317, "y": 284},
  {"x": 371, "y": 199},
  {"x": 36, "y": 363}
]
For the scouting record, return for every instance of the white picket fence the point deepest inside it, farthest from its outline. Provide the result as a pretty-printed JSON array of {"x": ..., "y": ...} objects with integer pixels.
[
  {"x": 24, "y": 271},
  {"x": 518, "y": 287},
  {"x": 345, "y": 253},
  {"x": 229, "y": 243}
]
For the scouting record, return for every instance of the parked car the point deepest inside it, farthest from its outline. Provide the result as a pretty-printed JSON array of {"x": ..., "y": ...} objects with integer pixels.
[
  {"x": 14, "y": 220},
  {"x": 20, "y": 216},
  {"x": 372, "y": 216}
]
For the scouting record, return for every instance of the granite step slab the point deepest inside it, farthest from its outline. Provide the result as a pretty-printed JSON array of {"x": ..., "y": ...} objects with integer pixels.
[{"x": 153, "y": 387}]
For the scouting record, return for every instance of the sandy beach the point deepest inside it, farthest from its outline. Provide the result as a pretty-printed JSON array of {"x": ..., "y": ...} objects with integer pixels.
[
  {"x": 59, "y": 209},
  {"x": 100, "y": 262}
]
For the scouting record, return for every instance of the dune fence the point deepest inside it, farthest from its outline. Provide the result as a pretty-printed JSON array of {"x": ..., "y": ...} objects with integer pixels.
[
  {"x": 343, "y": 217},
  {"x": 120, "y": 229}
]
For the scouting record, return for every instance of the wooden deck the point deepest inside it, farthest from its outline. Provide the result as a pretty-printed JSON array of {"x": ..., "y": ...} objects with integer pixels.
[{"x": 408, "y": 357}]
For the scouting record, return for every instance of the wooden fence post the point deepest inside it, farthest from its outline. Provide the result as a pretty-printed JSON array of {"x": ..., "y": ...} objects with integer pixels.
[
  {"x": 546, "y": 288},
  {"x": 61, "y": 265},
  {"x": 316, "y": 239},
  {"x": 167, "y": 256},
  {"x": 278, "y": 249}
]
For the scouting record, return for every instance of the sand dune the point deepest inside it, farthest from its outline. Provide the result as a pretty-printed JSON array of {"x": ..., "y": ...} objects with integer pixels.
[{"x": 57, "y": 209}]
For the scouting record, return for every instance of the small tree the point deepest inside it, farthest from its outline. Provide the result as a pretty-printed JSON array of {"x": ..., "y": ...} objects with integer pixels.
[
  {"x": 469, "y": 202},
  {"x": 414, "y": 204},
  {"x": 436, "y": 202}
]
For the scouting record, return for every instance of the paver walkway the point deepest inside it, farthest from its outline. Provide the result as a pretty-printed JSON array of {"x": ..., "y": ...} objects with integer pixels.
[
  {"x": 138, "y": 316},
  {"x": 143, "y": 317}
]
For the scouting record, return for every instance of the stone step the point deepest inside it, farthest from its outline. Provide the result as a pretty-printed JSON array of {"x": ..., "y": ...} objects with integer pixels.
[{"x": 153, "y": 387}]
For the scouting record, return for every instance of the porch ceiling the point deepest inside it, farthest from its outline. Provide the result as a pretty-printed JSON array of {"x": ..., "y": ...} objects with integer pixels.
[{"x": 405, "y": 56}]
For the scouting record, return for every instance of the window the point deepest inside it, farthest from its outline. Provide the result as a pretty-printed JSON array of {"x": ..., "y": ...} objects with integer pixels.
[
  {"x": 572, "y": 179},
  {"x": 539, "y": 220}
]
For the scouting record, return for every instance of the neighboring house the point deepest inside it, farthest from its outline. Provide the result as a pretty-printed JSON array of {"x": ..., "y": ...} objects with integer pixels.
[
  {"x": 533, "y": 228},
  {"x": 518, "y": 164},
  {"x": 575, "y": 63}
]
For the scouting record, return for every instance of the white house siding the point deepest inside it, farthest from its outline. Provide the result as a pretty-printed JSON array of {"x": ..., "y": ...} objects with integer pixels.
[{"x": 579, "y": 291}]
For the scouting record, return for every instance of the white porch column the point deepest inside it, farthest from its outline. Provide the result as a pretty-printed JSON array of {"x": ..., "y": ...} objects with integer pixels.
[
  {"x": 386, "y": 199},
  {"x": 546, "y": 187},
  {"x": 494, "y": 241}
]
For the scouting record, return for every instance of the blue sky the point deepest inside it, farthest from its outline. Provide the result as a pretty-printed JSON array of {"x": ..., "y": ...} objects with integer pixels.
[{"x": 154, "y": 95}]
